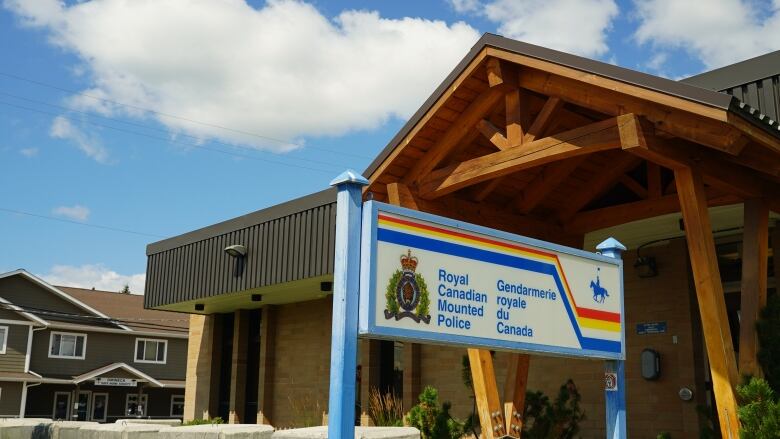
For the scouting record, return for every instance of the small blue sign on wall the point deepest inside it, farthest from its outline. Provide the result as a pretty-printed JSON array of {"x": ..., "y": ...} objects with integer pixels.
[{"x": 651, "y": 328}]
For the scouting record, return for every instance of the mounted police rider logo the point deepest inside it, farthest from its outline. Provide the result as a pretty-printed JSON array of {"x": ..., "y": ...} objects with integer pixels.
[
  {"x": 600, "y": 293},
  {"x": 407, "y": 293}
]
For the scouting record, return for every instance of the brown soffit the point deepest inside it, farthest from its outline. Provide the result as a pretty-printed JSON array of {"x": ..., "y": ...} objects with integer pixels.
[{"x": 666, "y": 86}]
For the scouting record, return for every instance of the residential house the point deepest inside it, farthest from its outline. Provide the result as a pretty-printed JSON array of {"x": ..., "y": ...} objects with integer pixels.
[{"x": 79, "y": 354}]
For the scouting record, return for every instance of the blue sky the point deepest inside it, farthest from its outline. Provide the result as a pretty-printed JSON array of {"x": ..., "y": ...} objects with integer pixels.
[{"x": 155, "y": 117}]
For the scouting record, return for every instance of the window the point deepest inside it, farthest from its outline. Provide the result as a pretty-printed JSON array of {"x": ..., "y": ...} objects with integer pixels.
[
  {"x": 177, "y": 406},
  {"x": 67, "y": 345},
  {"x": 3, "y": 338},
  {"x": 148, "y": 350},
  {"x": 133, "y": 408}
]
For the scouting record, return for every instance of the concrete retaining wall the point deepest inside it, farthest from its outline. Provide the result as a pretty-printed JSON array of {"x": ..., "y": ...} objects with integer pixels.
[
  {"x": 218, "y": 431},
  {"x": 165, "y": 422},
  {"x": 119, "y": 431},
  {"x": 360, "y": 433}
]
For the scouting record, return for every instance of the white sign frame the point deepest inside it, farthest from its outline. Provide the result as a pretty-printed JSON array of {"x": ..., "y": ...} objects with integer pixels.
[{"x": 368, "y": 327}]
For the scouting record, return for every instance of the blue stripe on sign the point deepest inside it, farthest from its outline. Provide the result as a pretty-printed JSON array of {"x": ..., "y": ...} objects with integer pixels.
[{"x": 463, "y": 251}]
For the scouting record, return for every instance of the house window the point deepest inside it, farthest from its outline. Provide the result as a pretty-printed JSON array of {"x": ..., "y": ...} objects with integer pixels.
[
  {"x": 3, "y": 338},
  {"x": 148, "y": 350},
  {"x": 133, "y": 407},
  {"x": 177, "y": 406},
  {"x": 67, "y": 345},
  {"x": 99, "y": 406}
]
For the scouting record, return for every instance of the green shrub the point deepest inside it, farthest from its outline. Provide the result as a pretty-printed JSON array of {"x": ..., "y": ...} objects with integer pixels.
[
  {"x": 434, "y": 422},
  {"x": 216, "y": 420},
  {"x": 768, "y": 329},
  {"x": 560, "y": 419},
  {"x": 385, "y": 410},
  {"x": 759, "y": 411},
  {"x": 664, "y": 435}
]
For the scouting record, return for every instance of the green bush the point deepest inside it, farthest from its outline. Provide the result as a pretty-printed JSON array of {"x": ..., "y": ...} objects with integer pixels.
[
  {"x": 434, "y": 422},
  {"x": 216, "y": 420},
  {"x": 759, "y": 411},
  {"x": 768, "y": 329},
  {"x": 664, "y": 435},
  {"x": 559, "y": 419}
]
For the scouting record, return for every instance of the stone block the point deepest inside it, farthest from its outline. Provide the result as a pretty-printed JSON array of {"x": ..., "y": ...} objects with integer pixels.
[
  {"x": 165, "y": 422},
  {"x": 119, "y": 431},
  {"x": 218, "y": 431},
  {"x": 12, "y": 428},
  {"x": 360, "y": 433}
]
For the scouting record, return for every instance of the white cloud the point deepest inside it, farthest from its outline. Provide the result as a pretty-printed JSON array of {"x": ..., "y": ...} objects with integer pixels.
[
  {"x": 283, "y": 70},
  {"x": 76, "y": 212},
  {"x": 717, "y": 32},
  {"x": 575, "y": 26},
  {"x": 29, "y": 152},
  {"x": 89, "y": 144},
  {"x": 94, "y": 275}
]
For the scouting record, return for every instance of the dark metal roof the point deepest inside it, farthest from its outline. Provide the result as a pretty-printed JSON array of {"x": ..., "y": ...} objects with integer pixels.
[
  {"x": 288, "y": 242},
  {"x": 734, "y": 75},
  {"x": 311, "y": 201},
  {"x": 667, "y": 86}
]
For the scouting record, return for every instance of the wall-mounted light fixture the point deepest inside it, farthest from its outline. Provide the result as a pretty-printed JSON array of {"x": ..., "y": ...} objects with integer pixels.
[
  {"x": 645, "y": 266},
  {"x": 237, "y": 251},
  {"x": 257, "y": 297},
  {"x": 326, "y": 286},
  {"x": 199, "y": 307}
]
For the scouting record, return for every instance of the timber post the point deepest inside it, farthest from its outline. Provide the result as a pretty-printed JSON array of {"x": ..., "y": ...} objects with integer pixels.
[
  {"x": 346, "y": 284},
  {"x": 614, "y": 370}
]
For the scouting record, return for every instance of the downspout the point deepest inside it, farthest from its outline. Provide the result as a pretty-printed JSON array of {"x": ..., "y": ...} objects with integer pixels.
[{"x": 25, "y": 385}]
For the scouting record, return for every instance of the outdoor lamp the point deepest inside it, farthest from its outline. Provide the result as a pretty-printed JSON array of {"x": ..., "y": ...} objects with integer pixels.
[
  {"x": 237, "y": 251},
  {"x": 645, "y": 266}
]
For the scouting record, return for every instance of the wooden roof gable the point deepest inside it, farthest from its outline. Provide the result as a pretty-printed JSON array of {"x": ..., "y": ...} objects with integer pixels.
[{"x": 534, "y": 137}]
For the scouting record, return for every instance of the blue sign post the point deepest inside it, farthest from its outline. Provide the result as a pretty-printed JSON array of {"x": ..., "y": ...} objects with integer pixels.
[
  {"x": 346, "y": 284},
  {"x": 615, "y": 370}
]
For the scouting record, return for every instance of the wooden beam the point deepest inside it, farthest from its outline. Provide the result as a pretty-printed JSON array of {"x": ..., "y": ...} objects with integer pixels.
[
  {"x": 599, "y": 136},
  {"x": 400, "y": 195},
  {"x": 654, "y": 189},
  {"x": 515, "y": 388},
  {"x": 709, "y": 291},
  {"x": 633, "y": 186},
  {"x": 483, "y": 377},
  {"x": 691, "y": 121},
  {"x": 755, "y": 254},
  {"x": 550, "y": 177},
  {"x": 543, "y": 120},
  {"x": 500, "y": 72},
  {"x": 588, "y": 221},
  {"x": 514, "y": 117},
  {"x": 598, "y": 185},
  {"x": 717, "y": 171},
  {"x": 492, "y": 133},
  {"x": 457, "y": 131}
]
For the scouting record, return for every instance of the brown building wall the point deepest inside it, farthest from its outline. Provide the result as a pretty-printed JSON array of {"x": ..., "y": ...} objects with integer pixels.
[
  {"x": 10, "y": 398},
  {"x": 15, "y": 349},
  {"x": 301, "y": 331},
  {"x": 23, "y": 292},
  {"x": 104, "y": 349},
  {"x": 299, "y": 390},
  {"x": 653, "y": 406}
]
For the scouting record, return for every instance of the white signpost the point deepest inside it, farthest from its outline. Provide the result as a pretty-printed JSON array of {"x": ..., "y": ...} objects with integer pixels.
[{"x": 430, "y": 279}]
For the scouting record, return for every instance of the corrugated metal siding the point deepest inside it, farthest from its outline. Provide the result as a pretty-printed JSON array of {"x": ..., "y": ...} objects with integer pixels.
[
  {"x": 764, "y": 95},
  {"x": 285, "y": 249}
]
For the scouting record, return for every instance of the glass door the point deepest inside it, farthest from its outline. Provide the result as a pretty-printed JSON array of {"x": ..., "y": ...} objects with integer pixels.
[
  {"x": 99, "y": 407},
  {"x": 61, "y": 405},
  {"x": 82, "y": 406}
]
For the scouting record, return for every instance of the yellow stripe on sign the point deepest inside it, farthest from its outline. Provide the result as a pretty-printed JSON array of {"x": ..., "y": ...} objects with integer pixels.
[{"x": 599, "y": 324}]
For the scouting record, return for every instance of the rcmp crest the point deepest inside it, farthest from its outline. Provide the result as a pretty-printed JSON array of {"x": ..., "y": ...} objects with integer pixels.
[{"x": 407, "y": 294}]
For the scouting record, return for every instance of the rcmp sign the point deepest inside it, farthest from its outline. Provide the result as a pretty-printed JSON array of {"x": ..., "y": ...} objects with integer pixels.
[{"x": 430, "y": 279}]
